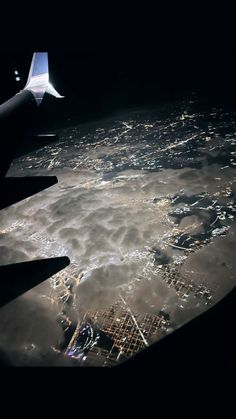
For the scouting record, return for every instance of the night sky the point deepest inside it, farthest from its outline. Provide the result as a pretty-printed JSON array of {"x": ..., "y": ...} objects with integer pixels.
[{"x": 98, "y": 78}]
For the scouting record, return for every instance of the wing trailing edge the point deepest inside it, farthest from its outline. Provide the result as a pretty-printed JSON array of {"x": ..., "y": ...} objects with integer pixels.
[
  {"x": 19, "y": 278},
  {"x": 15, "y": 189}
]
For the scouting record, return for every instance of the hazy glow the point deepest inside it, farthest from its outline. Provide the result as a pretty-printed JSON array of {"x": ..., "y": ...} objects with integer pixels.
[{"x": 144, "y": 208}]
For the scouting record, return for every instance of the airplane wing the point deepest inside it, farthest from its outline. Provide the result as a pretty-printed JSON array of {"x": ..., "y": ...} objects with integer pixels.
[
  {"x": 19, "y": 113},
  {"x": 18, "y": 278},
  {"x": 15, "y": 189},
  {"x": 15, "y": 115}
]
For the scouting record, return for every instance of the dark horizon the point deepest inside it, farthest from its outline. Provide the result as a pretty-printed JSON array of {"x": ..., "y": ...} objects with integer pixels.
[{"x": 128, "y": 77}]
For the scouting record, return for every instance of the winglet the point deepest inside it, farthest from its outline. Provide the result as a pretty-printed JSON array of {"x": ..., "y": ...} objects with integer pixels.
[{"x": 38, "y": 79}]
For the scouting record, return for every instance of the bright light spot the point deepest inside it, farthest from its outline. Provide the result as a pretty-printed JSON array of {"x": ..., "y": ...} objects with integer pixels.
[
  {"x": 16, "y": 72},
  {"x": 17, "y": 78}
]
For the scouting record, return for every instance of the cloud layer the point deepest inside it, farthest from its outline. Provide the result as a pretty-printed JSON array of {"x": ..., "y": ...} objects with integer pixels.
[{"x": 114, "y": 223}]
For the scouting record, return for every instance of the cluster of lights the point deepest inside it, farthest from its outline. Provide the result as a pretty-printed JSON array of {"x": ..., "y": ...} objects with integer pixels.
[{"x": 17, "y": 78}]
